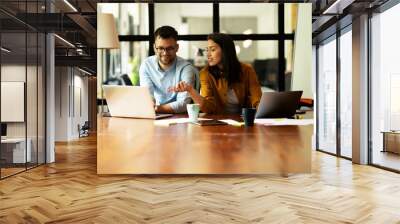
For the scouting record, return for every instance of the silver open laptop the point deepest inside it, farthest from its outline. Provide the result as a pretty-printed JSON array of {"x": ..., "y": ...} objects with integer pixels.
[
  {"x": 131, "y": 101},
  {"x": 278, "y": 104}
]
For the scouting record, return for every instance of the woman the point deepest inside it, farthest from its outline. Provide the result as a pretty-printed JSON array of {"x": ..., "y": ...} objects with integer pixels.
[{"x": 226, "y": 85}]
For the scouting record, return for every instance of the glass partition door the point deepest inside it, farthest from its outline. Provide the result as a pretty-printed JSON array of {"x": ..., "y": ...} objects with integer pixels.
[
  {"x": 22, "y": 77},
  {"x": 385, "y": 89},
  {"x": 327, "y": 96},
  {"x": 346, "y": 94}
]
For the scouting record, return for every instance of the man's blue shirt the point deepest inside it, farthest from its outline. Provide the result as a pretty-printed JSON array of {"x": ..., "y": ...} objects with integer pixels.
[{"x": 158, "y": 81}]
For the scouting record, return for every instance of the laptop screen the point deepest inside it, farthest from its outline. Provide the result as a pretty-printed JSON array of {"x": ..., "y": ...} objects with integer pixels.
[{"x": 278, "y": 104}]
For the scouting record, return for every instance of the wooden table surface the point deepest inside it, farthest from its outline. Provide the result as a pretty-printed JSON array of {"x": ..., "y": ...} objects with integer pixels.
[{"x": 137, "y": 146}]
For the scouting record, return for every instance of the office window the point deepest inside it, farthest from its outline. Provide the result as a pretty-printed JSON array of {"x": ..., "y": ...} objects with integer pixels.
[
  {"x": 195, "y": 21},
  {"x": 385, "y": 84},
  {"x": 186, "y": 18},
  {"x": 327, "y": 96},
  {"x": 131, "y": 18},
  {"x": 346, "y": 94},
  {"x": 125, "y": 60},
  {"x": 288, "y": 64},
  {"x": 248, "y": 18},
  {"x": 194, "y": 52},
  {"x": 263, "y": 56},
  {"x": 130, "y": 55}
]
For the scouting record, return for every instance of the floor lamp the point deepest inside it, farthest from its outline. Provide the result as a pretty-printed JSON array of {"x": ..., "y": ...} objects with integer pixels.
[{"x": 107, "y": 38}]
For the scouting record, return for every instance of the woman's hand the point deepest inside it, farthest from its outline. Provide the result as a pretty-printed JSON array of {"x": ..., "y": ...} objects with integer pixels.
[{"x": 182, "y": 86}]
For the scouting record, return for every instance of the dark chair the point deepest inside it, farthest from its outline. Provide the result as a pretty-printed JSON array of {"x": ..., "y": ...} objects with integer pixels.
[
  {"x": 126, "y": 80},
  {"x": 84, "y": 130},
  {"x": 113, "y": 81},
  {"x": 267, "y": 72}
]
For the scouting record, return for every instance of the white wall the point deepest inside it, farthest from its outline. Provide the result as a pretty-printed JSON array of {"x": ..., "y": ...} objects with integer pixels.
[
  {"x": 12, "y": 73},
  {"x": 71, "y": 102},
  {"x": 302, "y": 72}
]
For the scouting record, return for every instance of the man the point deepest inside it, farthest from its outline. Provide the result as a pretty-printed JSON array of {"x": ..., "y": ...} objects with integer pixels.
[{"x": 164, "y": 70}]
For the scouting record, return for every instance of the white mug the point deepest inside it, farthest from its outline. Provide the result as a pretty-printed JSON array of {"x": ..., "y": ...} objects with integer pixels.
[{"x": 193, "y": 112}]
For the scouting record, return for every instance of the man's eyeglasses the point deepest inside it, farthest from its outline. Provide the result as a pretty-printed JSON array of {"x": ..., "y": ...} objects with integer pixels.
[{"x": 166, "y": 50}]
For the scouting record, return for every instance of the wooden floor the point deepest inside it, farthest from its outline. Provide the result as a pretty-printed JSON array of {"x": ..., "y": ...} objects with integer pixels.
[{"x": 70, "y": 191}]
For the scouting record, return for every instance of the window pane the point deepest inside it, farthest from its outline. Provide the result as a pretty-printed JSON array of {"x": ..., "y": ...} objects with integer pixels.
[
  {"x": 386, "y": 88},
  {"x": 263, "y": 55},
  {"x": 346, "y": 94},
  {"x": 117, "y": 62},
  {"x": 289, "y": 64},
  {"x": 290, "y": 17},
  {"x": 193, "y": 51},
  {"x": 132, "y": 18},
  {"x": 327, "y": 97},
  {"x": 249, "y": 18},
  {"x": 186, "y": 18}
]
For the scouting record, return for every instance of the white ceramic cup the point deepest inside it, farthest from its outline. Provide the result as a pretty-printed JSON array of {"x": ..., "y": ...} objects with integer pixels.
[{"x": 193, "y": 112}]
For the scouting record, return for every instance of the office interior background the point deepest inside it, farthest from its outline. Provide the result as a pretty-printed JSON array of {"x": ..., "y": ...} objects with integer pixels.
[
  {"x": 53, "y": 64},
  {"x": 49, "y": 68}
]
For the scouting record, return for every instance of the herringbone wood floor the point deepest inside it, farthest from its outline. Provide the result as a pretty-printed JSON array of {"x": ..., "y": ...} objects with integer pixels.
[{"x": 70, "y": 191}]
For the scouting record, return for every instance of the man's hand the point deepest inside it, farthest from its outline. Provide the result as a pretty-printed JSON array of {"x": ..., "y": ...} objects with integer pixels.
[
  {"x": 182, "y": 86},
  {"x": 164, "y": 109}
]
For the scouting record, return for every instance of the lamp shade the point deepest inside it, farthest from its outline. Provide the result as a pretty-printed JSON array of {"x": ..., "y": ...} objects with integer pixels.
[{"x": 107, "y": 37}]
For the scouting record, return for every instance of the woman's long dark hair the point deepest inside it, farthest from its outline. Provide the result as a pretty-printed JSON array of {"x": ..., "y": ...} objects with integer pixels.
[{"x": 230, "y": 63}]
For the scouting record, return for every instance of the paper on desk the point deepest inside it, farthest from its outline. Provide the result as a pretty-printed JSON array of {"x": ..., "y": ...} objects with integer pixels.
[
  {"x": 168, "y": 122},
  {"x": 232, "y": 122},
  {"x": 283, "y": 121}
]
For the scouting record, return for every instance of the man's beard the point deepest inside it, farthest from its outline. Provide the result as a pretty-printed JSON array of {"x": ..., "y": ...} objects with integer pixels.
[{"x": 166, "y": 60}]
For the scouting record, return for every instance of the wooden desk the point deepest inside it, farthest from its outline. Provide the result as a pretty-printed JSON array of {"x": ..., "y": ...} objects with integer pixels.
[
  {"x": 14, "y": 151},
  {"x": 137, "y": 146},
  {"x": 391, "y": 141}
]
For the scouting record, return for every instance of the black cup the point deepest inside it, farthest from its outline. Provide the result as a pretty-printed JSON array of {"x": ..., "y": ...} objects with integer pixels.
[{"x": 248, "y": 116}]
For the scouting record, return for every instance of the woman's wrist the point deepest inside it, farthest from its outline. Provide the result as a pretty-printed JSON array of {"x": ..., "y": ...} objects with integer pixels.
[{"x": 190, "y": 90}]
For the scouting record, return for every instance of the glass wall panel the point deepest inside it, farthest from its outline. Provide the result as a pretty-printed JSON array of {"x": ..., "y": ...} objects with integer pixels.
[
  {"x": 41, "y": 79},
  {"x": 186, "y": 18},
  {"x": 249, "y": 18},
  {"x": 385, "y": 84},
  {"x": 346, "y": 94},
  {"x": 13, "y": 86},
  {"x": 327, "y": 96},
  {"x": 31, "y": 98},
  {"x": 22, "y": 89}
]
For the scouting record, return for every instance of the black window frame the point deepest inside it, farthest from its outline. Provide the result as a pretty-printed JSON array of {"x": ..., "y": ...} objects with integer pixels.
[{"x": 281, "y": 36}]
